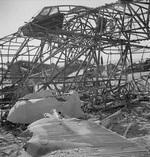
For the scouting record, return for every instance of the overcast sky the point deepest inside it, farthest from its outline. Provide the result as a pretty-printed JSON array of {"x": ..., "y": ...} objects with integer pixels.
[{"x": 14, "y": 13}]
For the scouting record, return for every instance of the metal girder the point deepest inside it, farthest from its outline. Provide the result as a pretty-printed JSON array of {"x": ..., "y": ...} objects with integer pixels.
[{"x": 71, "y": 47}]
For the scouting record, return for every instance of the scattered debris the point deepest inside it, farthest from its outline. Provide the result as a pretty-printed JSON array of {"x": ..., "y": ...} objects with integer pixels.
[{"x": 72, "y": 49}]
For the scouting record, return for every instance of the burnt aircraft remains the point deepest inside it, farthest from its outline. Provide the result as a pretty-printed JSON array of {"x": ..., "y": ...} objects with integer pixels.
[{"x": 73, "y": 47}]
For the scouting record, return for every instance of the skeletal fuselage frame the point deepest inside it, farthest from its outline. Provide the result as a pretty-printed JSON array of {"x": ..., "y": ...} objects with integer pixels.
[{"x": 66, "y": 51}]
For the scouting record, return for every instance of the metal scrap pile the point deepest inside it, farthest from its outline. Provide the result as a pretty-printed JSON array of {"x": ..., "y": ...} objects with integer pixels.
[{"x": 93, "y": 51}]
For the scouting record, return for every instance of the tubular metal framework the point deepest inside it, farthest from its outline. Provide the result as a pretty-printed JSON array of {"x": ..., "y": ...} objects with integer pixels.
[{"x": 74, "y": 47}]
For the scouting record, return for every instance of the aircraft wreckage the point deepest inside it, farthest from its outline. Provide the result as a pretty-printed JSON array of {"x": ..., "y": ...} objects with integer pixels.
[
  {"x": 90, "y": 50},
  {"x": 69, "y": 60}
]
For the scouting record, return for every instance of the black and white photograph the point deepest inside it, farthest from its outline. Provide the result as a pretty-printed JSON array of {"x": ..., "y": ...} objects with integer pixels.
[{"x": 74, "y": 78}]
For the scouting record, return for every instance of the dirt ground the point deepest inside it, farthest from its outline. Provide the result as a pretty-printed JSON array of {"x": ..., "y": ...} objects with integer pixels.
[{"x": 10, "y": 144}]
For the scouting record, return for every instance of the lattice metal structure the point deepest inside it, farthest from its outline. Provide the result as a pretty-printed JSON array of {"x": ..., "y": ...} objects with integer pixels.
[{"x": 72, "y": 47}]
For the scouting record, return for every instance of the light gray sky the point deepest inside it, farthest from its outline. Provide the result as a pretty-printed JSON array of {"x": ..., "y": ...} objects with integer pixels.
[{"x": 14, "y": 13}]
